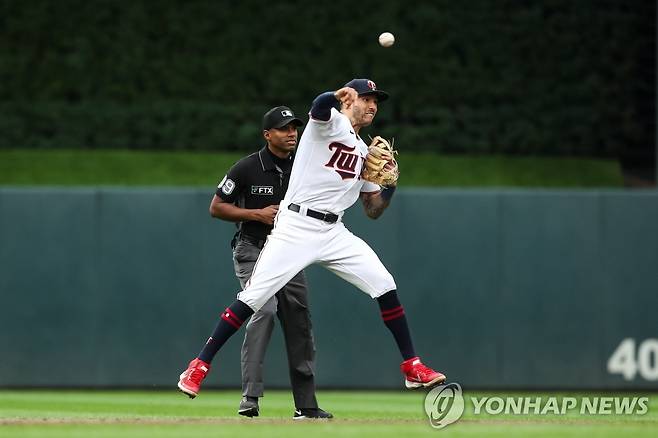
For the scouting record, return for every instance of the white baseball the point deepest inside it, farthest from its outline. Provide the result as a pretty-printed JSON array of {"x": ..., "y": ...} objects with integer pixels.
[{"x": 386, "y": 39}]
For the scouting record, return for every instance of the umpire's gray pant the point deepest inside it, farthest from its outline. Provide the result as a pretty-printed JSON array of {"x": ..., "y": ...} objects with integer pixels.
[{"x": 291, "y": 306}]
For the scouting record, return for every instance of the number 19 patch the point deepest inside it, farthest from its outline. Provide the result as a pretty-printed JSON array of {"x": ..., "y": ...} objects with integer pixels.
[
  {"x": 262, "y": 190},
  {"x": 227, "y": 185}
]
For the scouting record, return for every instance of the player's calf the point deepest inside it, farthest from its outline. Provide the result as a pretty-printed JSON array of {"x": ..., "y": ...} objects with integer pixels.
[{"x": 230, "y": 321}]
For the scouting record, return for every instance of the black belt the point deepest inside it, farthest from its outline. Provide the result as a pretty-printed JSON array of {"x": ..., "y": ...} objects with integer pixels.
[
  {"x": 327, "y": 217},
  {"x": 253, "y": 240}
]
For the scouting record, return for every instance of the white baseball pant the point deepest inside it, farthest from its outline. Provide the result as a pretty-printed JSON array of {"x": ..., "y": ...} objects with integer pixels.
[{"x": 298, "y": 241}]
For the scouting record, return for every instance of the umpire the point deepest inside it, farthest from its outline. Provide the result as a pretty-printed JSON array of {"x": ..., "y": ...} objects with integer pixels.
[{"x": 250, "y": 194}]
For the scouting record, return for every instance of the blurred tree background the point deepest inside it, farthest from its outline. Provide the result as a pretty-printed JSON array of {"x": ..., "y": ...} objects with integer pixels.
[{"x": 546, "y": 77}]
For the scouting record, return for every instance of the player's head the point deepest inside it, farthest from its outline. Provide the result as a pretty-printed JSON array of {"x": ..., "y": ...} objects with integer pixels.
[
  {"x": 364, "y": 109},
  {"x": 280, "y": 128}
]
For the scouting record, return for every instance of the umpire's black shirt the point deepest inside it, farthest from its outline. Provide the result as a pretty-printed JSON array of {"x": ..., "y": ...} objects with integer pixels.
[{"x": 254, "y": 182}]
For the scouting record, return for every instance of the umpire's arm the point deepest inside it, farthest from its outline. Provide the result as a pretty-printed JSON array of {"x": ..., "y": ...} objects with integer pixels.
[{"x": 232, "y": 213}]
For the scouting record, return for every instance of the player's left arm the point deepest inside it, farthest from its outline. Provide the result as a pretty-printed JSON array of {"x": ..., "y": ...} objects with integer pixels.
[{"x": 375, "y": 203}]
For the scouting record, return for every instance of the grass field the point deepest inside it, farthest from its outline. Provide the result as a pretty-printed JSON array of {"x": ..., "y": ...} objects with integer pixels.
[
  {"x": 36, "y": 413},
  {"x": 204, "y": 169}
]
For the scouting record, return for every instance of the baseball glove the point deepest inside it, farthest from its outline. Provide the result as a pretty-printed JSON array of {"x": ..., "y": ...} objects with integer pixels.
[{"x": 381, "y": 167}]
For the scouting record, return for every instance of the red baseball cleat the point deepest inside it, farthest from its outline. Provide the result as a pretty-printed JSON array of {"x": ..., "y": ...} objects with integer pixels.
[
  {"x": 190, "y": 380},
  {"x": 417, "y": 375}
]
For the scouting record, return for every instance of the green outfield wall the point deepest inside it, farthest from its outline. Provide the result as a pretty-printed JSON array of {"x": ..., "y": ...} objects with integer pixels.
[{"x": 503, "y": 289}]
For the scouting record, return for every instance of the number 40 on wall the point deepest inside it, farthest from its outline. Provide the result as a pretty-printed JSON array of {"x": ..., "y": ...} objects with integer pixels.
[{"x": 629, "y": 361}]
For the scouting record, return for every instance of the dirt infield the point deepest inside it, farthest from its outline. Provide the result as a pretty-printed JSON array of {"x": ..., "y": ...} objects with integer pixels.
[
  {"x": 185, "y": 420},
  {"x": 18, "y": 421}
]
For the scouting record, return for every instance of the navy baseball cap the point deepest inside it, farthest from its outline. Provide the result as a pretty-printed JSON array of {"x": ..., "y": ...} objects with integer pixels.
[
  {"x": 365, "y": 87},
  {"x": 278, "y": 117}
]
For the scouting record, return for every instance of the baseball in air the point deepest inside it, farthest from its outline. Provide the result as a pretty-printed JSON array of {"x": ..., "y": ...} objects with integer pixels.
[{"x": 386, "y": 39}]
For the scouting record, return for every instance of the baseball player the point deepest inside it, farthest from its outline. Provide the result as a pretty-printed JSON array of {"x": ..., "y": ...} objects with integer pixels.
[
  {"x": 325, "y": 181},
  {"x": 250, "y": 194}
]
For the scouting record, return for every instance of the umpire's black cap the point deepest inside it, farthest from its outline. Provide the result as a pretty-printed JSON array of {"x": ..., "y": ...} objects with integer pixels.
[
  {"x": 278, "y": 117},
  {"x": 365, "y": 86}
]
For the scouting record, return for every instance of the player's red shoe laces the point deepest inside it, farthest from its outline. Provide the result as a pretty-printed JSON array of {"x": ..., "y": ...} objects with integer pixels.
[
  {"x": 418, "y": 375},
  {"x": 190, "y": 380}
]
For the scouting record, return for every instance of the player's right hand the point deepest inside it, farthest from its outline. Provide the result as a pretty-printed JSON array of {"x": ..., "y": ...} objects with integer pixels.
[
  {"x": 346, "y": 96},
  {"x": 266, "y": 215}
]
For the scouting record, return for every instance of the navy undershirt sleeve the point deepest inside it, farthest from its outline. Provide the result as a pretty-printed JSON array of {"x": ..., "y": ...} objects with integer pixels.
[{"x": 321, "y": 109}]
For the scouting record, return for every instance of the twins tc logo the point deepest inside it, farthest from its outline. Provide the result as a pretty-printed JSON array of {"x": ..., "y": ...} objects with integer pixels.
[{"x": 343, "y": 161}]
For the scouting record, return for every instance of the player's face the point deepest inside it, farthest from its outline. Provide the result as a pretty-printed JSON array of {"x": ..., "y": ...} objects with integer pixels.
[
  {"x": 284, "y": 139},
  {"x": 365, "y": 109}
]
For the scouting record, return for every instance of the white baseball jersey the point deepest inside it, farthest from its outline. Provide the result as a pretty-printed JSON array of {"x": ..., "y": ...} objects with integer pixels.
[{"x": 326, "y": 175}]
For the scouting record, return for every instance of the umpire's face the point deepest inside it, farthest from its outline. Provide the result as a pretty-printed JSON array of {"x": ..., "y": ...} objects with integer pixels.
[{"x": 282, "y": 140}]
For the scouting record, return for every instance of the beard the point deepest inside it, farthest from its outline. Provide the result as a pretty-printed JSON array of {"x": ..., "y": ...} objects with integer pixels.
[{"x": 361, "y": 117}]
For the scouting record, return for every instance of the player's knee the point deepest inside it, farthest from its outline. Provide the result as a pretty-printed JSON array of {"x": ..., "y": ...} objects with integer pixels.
[
  {"x": 387, "y": 295},
  {"x": 388, "y": 299}
]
